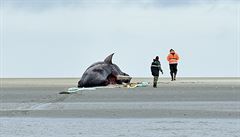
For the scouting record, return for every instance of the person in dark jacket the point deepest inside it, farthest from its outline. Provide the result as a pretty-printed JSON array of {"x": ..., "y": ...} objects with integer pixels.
[{"x": 155, "y": 68}]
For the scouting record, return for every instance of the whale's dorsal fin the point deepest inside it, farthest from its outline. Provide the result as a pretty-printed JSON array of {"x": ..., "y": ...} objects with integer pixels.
[{"x": 108, "y": 59}]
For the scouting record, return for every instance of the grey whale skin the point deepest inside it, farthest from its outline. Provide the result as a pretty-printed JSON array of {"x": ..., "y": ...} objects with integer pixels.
[{"x": 102, "y": 74}]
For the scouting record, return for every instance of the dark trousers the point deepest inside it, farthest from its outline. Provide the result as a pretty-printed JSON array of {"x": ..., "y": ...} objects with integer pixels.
[
  {"x": 155, "y": 80},
  {"x": 173, "y": 70}
]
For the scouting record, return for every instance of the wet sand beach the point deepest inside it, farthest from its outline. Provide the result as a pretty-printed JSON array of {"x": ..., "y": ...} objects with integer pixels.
[
  {"x": 187, "y": 98},
  {"x": 187, "y": 101}
]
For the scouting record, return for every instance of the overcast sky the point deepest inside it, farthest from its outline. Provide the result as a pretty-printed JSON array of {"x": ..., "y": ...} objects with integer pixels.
[{"x": 59, "y": 38}]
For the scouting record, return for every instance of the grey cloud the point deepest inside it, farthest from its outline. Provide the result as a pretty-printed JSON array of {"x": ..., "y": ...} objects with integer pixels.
[{"x": 115, "y": 3}]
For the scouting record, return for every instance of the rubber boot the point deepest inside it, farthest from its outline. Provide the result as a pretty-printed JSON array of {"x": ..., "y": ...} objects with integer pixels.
[{"x": 155, "y": 85}]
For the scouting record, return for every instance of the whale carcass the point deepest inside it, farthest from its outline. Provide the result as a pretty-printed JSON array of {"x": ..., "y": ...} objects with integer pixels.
[{"x": 102, "y": 74}]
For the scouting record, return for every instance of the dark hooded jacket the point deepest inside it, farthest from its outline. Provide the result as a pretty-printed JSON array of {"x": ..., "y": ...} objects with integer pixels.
[{"x": 156, "y": 67}]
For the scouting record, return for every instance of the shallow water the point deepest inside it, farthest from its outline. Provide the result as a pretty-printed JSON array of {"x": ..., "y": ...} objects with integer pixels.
[{"x": 165, "y": 127}]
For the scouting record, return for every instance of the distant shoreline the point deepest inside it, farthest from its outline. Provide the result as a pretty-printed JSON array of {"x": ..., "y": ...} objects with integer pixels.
[
  {"x": 72, "y": 82},
  {"x": 220, "y": 77}
]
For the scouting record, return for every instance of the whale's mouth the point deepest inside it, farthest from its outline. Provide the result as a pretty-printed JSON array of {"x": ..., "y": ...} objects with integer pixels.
[
  {"x": 119, "y": 79},
  {"x": 112, "y": 79},
  {"x": 123, "y": 79}
]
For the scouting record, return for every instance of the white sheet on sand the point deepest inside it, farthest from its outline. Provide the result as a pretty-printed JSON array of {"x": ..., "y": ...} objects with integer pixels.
[
  {"x": 75, "y": 89},
  {"x": 131, "y": 85}
]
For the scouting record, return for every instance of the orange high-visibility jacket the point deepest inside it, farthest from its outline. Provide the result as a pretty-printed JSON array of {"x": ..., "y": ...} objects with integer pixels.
[{"x": 173, "y": 58}]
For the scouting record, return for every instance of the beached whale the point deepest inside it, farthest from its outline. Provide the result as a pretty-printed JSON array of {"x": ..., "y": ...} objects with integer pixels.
[{"x": 102, "y": 74}]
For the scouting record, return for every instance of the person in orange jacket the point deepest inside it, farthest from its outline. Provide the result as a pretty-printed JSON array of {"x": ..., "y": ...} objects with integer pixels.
[{"x": 173, "y": 62}]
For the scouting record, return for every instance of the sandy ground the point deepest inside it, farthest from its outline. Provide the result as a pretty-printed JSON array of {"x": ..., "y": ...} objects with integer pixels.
[
  {"x": 185, "y": 98},
  {"x": 186, "y": 107}
]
